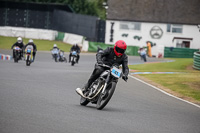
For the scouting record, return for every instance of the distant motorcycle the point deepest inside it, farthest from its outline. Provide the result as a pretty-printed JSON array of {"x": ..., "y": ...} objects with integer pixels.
[
  {"x": 62, "y": 57},
  {"x": 73, "y": 57},
  {"x": 55, "y": 54},
  {"x": 102, "y": 89},
  {"x": 142, "y": 53},
  {"x": 29, "y": 55},
  {"x": 16, "y": 51}
]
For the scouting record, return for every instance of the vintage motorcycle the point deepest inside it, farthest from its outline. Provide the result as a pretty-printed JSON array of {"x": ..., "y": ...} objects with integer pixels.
[
  {"x": 29, "y": 55},
  {"x": 73, "y": 57},
  {"x": 16, "y": 53},
  {"x": 102, "y": 89},
  {"x": 55, "y": 54},
  {"x": 62, "y": 57}
]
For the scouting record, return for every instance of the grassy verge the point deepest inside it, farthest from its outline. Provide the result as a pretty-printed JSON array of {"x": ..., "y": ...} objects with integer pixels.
[
  {"x": 42, "y": 45},
  {"x": 185, "y": 85}
]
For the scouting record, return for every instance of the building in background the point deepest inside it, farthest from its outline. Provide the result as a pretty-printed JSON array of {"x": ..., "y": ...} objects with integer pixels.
[{"x": 165, "y": 23}]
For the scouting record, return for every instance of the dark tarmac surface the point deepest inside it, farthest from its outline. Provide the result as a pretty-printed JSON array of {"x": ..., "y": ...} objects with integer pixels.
[{"x": 41, "y": 98}]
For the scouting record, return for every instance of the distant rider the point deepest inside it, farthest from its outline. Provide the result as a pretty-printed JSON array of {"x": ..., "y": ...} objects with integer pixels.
[
  {"x": 109, "y": 57},
  {"x": 55, "y": 47},
  {"x": 30, "y": 42},
  {"x": 20, "y": 44},
  {"x": 142, "y": 53},
  {"x": 76, "y": 48}
]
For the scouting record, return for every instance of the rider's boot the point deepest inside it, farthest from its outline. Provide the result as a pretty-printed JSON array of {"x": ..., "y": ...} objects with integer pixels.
[{"x": 81, "y": 91}]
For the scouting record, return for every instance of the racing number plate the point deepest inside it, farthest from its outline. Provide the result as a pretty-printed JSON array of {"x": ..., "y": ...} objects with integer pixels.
[
  {"x": 28, "y": 50},
  {"x": 17, "y": 48},
  {"x": 116, "y": 72},
  {"x": 74, "y": 53}
]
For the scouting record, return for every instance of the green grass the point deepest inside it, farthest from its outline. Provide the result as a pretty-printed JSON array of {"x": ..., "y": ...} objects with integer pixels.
[
  {"x": 42, "y": 45},
  {"x": 177, "y": 66},
  {"x": 186, "y": 84}
]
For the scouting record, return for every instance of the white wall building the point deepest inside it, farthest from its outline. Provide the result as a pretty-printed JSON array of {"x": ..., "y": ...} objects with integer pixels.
[
  {"x": 162, "y": 35},
  {"x": 164, "y": 23}
]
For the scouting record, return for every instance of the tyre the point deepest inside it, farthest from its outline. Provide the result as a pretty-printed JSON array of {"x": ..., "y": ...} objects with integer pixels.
[
  {"x": 105, "y": 98},
  {"x": 84, "y": 101},
  {"x": 55, "y": 57},
  {"x": 28, "y": 61},
  {"x": 72, "y": 61},
  {"x": 16, "y": 58}
]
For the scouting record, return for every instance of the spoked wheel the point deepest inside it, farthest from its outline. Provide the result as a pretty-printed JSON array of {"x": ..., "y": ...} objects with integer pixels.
[
  {"x": 105, "y": 98},
  {"x": 84, "y": 101}
]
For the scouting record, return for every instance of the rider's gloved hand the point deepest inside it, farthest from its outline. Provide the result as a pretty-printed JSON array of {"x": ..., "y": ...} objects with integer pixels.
[{"x": 125, "y": 78}]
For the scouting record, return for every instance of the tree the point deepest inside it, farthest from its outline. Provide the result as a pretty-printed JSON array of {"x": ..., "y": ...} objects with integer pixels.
[{"x": 87, "y": 7}]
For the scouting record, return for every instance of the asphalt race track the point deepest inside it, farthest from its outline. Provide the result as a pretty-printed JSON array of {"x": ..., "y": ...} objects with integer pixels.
[{"x": 41, "y": 98}]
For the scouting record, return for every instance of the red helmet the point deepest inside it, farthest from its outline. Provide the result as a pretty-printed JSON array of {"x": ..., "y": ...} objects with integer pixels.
[{"x": 120, "y": 48}]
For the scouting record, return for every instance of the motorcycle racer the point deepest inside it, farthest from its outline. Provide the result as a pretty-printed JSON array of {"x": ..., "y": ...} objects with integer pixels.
[
  {"x": 20, "y": 44},
  {"x": 109, "y": 57},
  {"x": 76, "y": 48},
  {"x": 30, "y": 42}
]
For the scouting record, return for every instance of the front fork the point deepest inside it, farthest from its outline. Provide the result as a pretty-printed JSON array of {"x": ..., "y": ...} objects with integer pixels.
[{"x": 106, "y": 83}]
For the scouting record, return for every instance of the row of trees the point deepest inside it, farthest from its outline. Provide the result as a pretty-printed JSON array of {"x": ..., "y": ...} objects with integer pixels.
[{"x": 87, "y": 7}]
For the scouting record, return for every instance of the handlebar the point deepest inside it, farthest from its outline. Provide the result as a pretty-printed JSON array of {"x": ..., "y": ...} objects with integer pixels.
[{"x": 104, "y": 65}]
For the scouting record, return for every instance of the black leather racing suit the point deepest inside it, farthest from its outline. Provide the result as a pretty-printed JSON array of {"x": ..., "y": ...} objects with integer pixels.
[
  {"x": 107, "y": 57},
  {"x": 21, "y": 45},
  {"x": 77, "y": 49}
]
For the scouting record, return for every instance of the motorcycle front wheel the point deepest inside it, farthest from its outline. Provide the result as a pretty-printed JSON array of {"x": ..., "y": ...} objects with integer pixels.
[
  {"x": 16, "y": 58},
  {"x": 84, "y": 101},
  {"x": 72, "y": 61},
  {"x": 28, "y": 61},
  {"x": 105, "y": 98},
  {"x": 55, "y": 57}
]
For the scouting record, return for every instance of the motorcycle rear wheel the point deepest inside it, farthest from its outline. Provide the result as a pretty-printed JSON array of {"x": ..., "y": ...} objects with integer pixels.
[
  {"x": 105, "y": 98},
  {"x": 16, "y": 58}
]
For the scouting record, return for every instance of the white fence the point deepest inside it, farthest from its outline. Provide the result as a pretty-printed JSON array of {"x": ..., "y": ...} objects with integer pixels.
[
  {"x": 43, "y": 35},
  {"x": 28, "y": 33}
]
